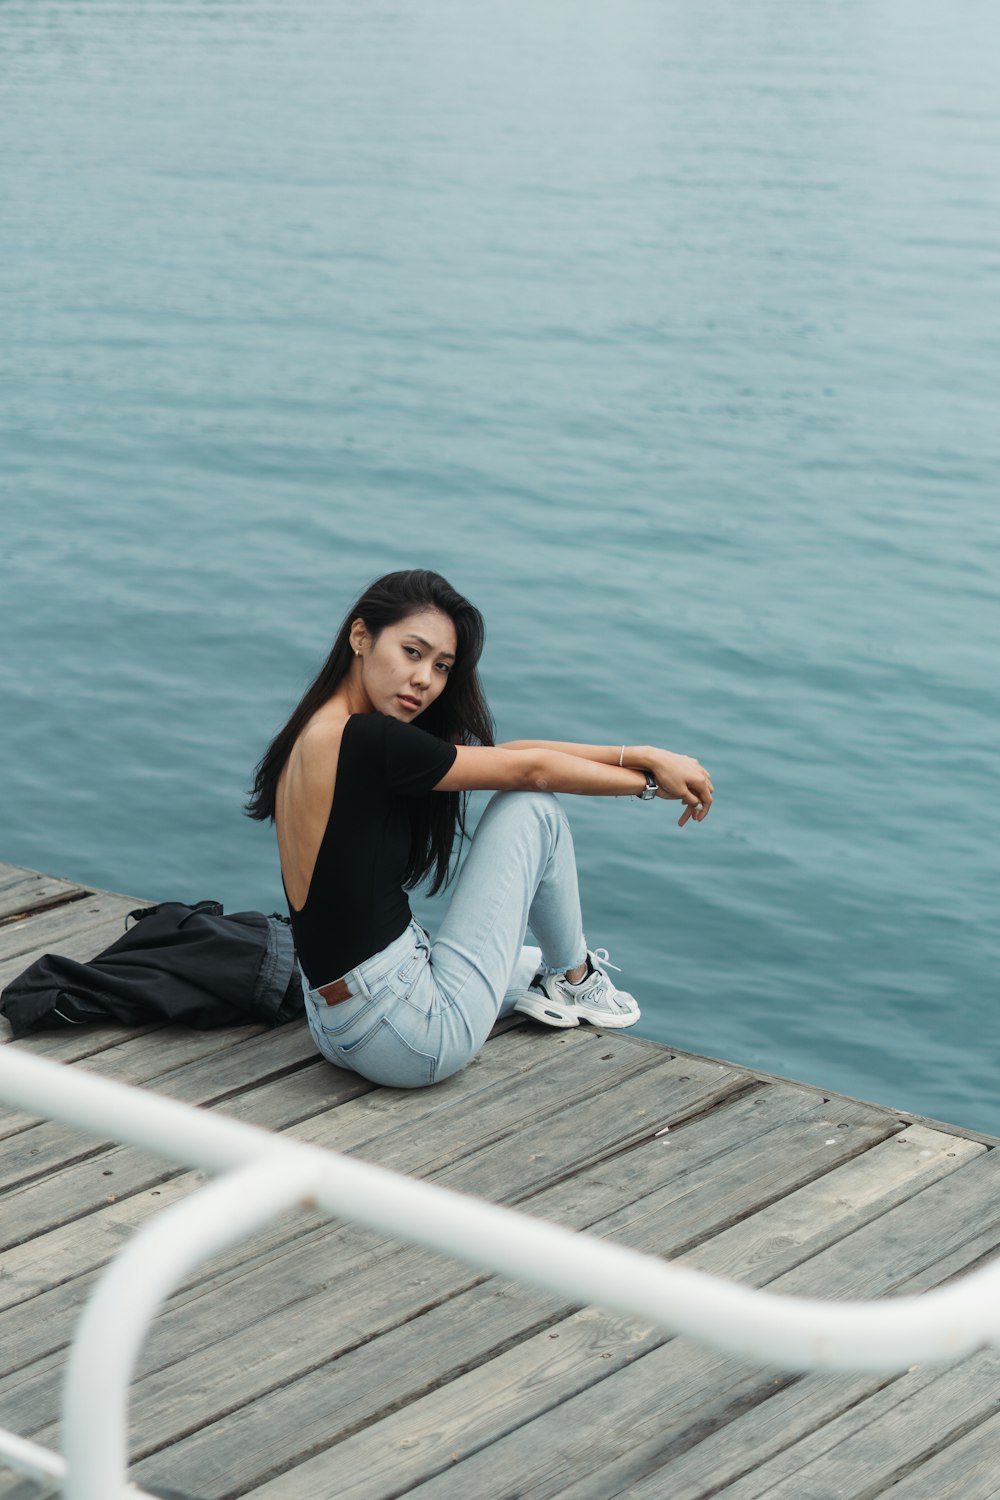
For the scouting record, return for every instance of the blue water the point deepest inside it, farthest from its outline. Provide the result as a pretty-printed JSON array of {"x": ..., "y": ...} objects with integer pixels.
[{"x": 669, "y": 333}]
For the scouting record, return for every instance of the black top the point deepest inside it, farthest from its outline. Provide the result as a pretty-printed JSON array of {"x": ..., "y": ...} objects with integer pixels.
[{"x": 356, "y": 904}]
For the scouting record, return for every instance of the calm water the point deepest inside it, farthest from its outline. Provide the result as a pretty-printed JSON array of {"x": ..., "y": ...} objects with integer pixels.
[{"x": 668, "y": 332}]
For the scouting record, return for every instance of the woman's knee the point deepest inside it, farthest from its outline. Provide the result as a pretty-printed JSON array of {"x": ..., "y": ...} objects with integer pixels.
[
  {"x": 524, "y": 820},
  {"x": 526, "y": 806}
]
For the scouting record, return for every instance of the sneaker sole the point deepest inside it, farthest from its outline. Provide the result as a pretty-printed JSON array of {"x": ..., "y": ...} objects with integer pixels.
[
  {"x": 549, "y": 1015},
  {"x": 555, "y": 1015},
  {"x": 609, "y": 1022}
]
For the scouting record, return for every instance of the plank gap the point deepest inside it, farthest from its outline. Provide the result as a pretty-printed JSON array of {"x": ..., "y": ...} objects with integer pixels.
[
  {"x": 361, "y": 1341},
  {"x": 955, "y": 1435},
  {"x": 628, "y": 1144},
  {"x": 990, "y": 1256},
  {"x": 779, "y": 1193},
  {"x": 288, "y": 1070},
  {"x": 52, "y": 904},
  {"x": 464, "y": 1367},
  {"x": 596, "y": 1088},
  {"x": 100, "y": 1148},
  {"x": 471, "y": 1449},
  {"x": 372, "y": 1417},
  {"x": 85, "y": 1213},
  {"x": 739, "y": 1092},
  {"x": 103, "y": 1037},
  {"x": 743, "y": 1404}
]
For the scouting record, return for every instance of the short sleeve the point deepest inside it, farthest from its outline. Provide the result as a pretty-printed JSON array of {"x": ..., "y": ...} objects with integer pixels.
[{"x": 415, "y": 761}]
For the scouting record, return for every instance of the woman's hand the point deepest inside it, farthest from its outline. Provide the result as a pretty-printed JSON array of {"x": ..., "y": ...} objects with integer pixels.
[{"x": 684, "y": 778}]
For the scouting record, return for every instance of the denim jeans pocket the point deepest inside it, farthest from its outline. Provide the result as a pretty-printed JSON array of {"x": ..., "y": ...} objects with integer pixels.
[{"x": 383, "y": 1055}]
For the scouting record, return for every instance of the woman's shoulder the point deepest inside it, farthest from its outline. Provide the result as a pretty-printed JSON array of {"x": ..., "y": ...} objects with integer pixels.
[
  {"x": 374, "y": 726},
  {"x": 318, "y": 745},
  {"x": 348, "y": 737},
  {"x": 323, "y": 732}
]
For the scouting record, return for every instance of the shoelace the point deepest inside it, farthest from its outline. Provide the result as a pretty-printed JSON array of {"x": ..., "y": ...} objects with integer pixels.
[{"x": 603, "y": 959}]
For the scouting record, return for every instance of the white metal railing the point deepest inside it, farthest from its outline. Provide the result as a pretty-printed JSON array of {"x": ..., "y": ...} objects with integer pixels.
[{"x": 263, "y": 1174}]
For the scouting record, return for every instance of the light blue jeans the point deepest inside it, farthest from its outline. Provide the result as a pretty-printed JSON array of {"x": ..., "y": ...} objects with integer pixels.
[{"x": 419, "y": 1010}]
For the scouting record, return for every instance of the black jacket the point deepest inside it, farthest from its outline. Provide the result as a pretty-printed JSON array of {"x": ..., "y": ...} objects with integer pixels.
[{"x": 187, "y": 964}]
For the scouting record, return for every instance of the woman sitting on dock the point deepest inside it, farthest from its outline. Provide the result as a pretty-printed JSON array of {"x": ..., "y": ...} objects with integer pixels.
[{"x": 366, "y": 785}]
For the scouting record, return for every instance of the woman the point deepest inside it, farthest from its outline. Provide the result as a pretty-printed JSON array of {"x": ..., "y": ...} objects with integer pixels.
[{"x": 366, "y": 785}]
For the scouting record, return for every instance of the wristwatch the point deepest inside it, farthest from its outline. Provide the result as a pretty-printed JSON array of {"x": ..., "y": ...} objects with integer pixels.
[{"x": 650, "y": 790}]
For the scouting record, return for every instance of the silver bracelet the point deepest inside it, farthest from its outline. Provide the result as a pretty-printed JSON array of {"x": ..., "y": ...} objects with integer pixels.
[{"x": 621, "y": 758}]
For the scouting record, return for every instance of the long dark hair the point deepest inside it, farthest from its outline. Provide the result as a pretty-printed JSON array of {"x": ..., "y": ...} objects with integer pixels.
[{"x": 459, "y": 715}]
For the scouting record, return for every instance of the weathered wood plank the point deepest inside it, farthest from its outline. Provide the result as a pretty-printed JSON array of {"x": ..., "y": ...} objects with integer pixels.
[
  {"x": 66, "y": 1254},
  {"x": 875, "y": 1442},
  {"x": 453, "y": 1127},
  {"x": 347, "y": 1128},
  {"x": 863, "y": 1264},
  {"x": 797, "y": 1225},
  {"x": 206, "y": 1079},
  {"x": 671, "y": 1164},
  {"x": 650, "y": 1404},
  {"x": 138, "y": 1057},
  {"x": 795, "y": 1409},
  {"x": 52, "y": 1225},
  {"x": 966, "y": 1469},
  {"x": 517, "y": 1381},
  {"x": 766, "y": 1437},
  {"x": 78, "y": 1043},
  {"x": 792, "y": 1408},
  {"x": 764, "y": 1171},
  {"x": 621, "y": 1107},
  {"x": 269, "y": 1280},
  {"x": 11, "y": 874},
  {"x": 240, "y": 1450},
  {"x": 23, "y": 891},
  {"x": 46, "y": 929},
  {"x": 512, "y": 1387},
  {"x": 344, "y": 1128},
  {"x": 943, "y": 1217},
  {"x": 630, "y": 1112},
  {"x": 424, "y": 1281},
  {"x": 714, "y": 1376},
  {"x": 23, "y": 1324}
]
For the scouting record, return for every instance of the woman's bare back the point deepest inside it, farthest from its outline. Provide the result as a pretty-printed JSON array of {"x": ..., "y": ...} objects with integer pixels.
[{"x": 304, "y": 799}]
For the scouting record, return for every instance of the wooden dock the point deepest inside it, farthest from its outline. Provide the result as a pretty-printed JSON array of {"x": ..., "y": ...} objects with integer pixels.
[{"x": 319, "y": 1360}]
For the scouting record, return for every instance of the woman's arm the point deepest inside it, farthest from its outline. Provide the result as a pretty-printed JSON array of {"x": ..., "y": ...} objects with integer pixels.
[
  {"x": 582, "y": 770},
  {"x": 679, "y": 777},
  {"x": 606, "y": 755}
]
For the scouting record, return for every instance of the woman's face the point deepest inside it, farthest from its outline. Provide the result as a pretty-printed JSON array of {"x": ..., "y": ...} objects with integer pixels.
[{"x": 403, "y": 669}]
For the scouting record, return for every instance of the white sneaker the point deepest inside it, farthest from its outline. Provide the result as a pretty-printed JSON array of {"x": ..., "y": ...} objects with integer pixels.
[{"x": 555, "y": 1002}]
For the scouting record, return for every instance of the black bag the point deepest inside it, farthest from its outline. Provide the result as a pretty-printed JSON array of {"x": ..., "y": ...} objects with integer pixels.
[{"x": 187, "y": 964}]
